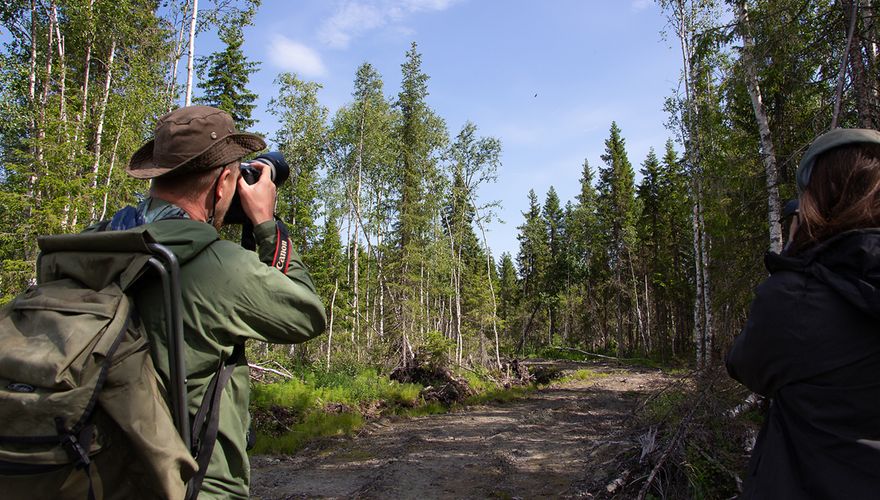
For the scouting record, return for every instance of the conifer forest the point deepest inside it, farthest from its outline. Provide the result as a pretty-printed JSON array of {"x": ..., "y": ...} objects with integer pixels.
[{"x": 655, "y": 259}]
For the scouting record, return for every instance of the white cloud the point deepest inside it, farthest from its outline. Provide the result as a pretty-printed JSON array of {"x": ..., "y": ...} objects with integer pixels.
[
  {"x": 354, "y": 18},
  {"x": 640, "y": 5},
  {"x": 294, "y": 56}
]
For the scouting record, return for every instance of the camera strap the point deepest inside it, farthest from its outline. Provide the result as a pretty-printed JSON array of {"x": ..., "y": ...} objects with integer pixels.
[{"x": 283, "y": 247}]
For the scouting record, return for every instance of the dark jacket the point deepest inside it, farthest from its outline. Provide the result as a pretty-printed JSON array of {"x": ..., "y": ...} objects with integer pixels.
[{"x": 812, "y": 343}]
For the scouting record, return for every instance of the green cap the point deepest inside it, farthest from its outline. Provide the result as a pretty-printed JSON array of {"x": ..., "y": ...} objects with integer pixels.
[{"x": 828, "y": 141}]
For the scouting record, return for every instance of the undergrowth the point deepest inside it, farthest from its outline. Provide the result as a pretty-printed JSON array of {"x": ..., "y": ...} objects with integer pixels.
[
  {"x": 317, "y": 404},
  {"x": 692, "y": 442}
]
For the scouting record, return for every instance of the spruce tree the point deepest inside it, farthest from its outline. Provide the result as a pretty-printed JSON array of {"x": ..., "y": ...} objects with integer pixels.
[
  {"x": 554, "y": 277},
  {"x": 224, "y": 77},
  {"x": 616, "y": 213}
]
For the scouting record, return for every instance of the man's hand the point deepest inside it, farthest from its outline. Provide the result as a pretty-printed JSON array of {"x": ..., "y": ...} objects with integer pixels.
[{"x": 258, "y": 199}]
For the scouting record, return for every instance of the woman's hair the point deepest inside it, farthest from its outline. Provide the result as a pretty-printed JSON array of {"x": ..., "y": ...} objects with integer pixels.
[{"x": 843, "y": 194}]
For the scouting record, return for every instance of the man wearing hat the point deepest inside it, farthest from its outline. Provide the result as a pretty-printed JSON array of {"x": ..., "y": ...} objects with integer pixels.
[{"x": 229, "y": 294}]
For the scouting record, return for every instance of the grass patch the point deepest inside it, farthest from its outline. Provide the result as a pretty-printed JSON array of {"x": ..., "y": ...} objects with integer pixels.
[
  {"x": 584, "y": 374},
  {"x": 500, "y": 395},
  {"x": 315, "y": 425},
  {"x": 289, "y": 414}
]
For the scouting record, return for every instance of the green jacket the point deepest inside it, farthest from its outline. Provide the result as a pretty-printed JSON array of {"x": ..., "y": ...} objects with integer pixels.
[{"x": 229, "y": 295}]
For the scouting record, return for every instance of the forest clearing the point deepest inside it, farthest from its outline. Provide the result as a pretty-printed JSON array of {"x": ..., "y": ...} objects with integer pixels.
[{"x": 579, "y": 438}]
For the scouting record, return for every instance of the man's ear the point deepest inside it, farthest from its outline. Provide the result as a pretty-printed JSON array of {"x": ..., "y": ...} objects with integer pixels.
[{"x": 226, "y": 185}]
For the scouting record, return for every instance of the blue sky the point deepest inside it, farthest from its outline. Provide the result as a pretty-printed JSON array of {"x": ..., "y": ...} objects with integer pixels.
[{"x": 588, "y": 61}]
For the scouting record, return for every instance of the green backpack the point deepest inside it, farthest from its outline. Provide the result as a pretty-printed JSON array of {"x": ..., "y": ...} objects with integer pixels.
[{"x": 83, "y": 410}]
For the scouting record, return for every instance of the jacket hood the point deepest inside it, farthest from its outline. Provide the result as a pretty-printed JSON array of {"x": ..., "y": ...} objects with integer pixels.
[
  {"x": 186, "y": 238},
  {"x": 848, "y": 263}
]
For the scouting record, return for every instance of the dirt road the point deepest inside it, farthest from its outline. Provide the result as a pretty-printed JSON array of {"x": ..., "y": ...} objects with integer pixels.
[{"x": 563, "y": 441}]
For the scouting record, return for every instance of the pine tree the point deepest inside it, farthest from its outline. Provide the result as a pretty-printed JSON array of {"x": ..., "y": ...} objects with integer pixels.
[
  {"x": 532, "y": 262},
  {"x": 421, "y": 135},
  {"x": 555, "y": 275},
  {"x": 508, "y": 291},
  {"x": 224, "y": 77},
  {"x": 616, "y": 212}
]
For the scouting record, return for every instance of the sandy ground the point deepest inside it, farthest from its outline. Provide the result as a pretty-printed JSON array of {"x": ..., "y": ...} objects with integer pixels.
[{"x": 561, "y": 442}]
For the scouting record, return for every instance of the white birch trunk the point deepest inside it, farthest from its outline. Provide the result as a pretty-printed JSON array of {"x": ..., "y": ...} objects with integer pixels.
[
  {"x": 87, "y": 63},
  {"x": 356, "y": 200},
  {"x": 99, "y": 130},
  {"x": 330, "y": 326},
  {"x": 191, "y": 55},
  {"x": 62, "y": 109},
  {"x": 32, "y": 94},
  {"x": 110, "y": 168},
  {"x": 768, "y": 154},
  {"x": 175, "y": 57}
]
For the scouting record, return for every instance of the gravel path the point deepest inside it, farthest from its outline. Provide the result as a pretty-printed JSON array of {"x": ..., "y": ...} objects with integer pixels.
[{"x": 563, "y": 441}]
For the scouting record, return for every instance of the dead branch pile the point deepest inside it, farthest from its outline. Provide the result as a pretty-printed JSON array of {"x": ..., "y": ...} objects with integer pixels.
[
  {"x": 441, "y": 385},
  {"x": 686, "y": 443},
  {"x": 516, "y": 372}
]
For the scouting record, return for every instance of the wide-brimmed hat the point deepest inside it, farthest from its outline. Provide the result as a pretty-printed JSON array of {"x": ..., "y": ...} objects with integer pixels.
[
  {"x": 191, "y": 139},
  {"x": 828, "y": 141}
]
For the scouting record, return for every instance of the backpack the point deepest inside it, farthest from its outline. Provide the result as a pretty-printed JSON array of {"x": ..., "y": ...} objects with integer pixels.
[{"x": 83, "y": 409}]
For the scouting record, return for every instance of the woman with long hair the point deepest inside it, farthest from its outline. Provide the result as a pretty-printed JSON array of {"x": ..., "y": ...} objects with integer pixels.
[{"x": 812, "y": 339}]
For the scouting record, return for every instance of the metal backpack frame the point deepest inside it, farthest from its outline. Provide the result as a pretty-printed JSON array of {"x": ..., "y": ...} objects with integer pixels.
[{"x": 200, "y": 435}]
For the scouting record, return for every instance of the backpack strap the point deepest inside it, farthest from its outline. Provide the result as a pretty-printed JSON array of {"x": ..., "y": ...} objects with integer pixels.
[{"x": 207, "y": 420}]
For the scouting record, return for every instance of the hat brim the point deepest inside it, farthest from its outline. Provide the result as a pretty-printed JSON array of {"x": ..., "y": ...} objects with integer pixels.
[{"x": 222, "y": 152}]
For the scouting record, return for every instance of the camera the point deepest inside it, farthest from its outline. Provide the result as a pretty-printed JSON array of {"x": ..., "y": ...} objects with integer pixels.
[{"x": 279, "y": 172}]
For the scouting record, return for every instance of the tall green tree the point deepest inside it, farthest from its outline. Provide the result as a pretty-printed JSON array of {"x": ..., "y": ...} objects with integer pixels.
[
  {"x": 616, "y": 212},
  {"x": 224, "y": 77},
  {"x": 300, "y": 137},
  {"x": 77, "y": 101},
  {"x": 360, "y": 162},
  {"x": 421, "y": 136},
  {"x": 532, "y": 263},
  {"x": 555, "y": 276}
]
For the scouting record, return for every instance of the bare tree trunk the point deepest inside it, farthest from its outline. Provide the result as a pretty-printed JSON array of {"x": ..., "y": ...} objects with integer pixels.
[
  {"x": 176, "y": 55},
  {"x": 861, "y": 61},
  {"x": 81, "y": 118},
  {"x": 191, "y": 55},
  {"x": 492, "y": 293},
  {"x": 32, "y": 74},
  {"x": 682, "y": 21},
  {"x": 32, "y": 94},
  {"x": 330, "y": 325},
  {"x": 768, "y": 154},
  {"x": 380, "y": 278},
  {"x": 709, "y": 330},
  {"x": 99, "y": 130},
  {"x": 112, "y": 164},
  {"x": 62, "y": 110},
  {"x": 699, "y": 331}
]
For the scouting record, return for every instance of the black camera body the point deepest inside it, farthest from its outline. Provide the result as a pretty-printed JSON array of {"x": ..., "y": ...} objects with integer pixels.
[{"x": 279, "y": 171}]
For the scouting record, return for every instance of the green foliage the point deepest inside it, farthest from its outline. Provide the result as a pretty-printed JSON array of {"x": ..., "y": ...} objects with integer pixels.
[
  {"x": 301, "y": 138},
  {"x": 224, "y": 76},
  {"x": 315, "y": 425}
]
